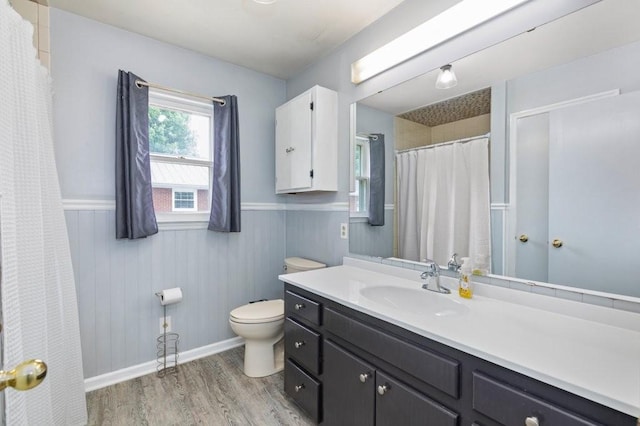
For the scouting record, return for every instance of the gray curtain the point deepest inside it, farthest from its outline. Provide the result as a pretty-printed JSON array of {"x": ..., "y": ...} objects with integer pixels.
[
  {"x": 135, "y": 217},
  {"x": 225, "y": 191},
  {"x": 376, "y": 179}
]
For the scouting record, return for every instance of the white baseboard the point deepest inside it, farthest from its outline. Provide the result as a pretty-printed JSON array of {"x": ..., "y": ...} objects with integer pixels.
[{"x": 108, "y": 379}]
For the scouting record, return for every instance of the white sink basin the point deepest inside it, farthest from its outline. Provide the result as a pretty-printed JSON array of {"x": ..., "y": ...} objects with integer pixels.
[{"x": 416, "y": 301}]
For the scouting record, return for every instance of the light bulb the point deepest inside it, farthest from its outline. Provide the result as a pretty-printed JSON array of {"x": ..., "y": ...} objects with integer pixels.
[{"x": 446, "y": 78}]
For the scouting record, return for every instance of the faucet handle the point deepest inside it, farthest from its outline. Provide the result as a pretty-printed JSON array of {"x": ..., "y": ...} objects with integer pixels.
[{"x": 453, "y": 264}]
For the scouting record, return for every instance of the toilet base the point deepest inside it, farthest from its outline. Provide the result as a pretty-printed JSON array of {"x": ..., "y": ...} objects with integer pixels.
[{"x": 263, "y": 357}]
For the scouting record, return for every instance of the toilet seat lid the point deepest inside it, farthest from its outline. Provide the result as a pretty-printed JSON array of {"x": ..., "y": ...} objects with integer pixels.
[{"x": 269, "y": 310}]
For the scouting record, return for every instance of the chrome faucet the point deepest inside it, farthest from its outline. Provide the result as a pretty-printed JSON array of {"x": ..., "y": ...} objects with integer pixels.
[
  {"x": 453, "y": 264},
  {"x": 432, "y": 275}
]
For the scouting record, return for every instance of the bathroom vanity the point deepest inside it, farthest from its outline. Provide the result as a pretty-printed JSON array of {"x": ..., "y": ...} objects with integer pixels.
[{"x": 365, "y": 348}]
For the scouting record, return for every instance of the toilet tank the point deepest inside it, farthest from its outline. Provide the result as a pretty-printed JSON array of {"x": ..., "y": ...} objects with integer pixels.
[{"x": 299, "y": 264}]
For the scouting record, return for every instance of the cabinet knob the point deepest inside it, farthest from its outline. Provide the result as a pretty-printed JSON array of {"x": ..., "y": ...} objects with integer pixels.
[
  {"x": 364, "y": 377},
  {"x": 557, "y": 243},
  {"x": 524, "y": 238},
  {"x": 298, "y": 345},
  {"x": 531, "y": 421},
  {"x": 299, "y": 387},
  {"x": 298, "y": 306},
  {"x": 382, "y": 389}
]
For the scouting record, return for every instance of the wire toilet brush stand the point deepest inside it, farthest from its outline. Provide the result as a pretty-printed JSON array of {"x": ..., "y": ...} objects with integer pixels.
[{"x": 167, "y": 350}]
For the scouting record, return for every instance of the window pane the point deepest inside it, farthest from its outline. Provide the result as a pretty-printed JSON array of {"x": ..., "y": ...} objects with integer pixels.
[
  {"x": 357, "y": 163},
  {"x": 173, "y": 180},
  {"x": 363, "y": 195},
  {"x": 179, "y": 133}
]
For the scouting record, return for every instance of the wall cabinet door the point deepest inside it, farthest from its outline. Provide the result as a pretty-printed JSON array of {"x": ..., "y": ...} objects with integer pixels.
[
  {"x": 349, "y": 388},
  {"x": 307, "y": 142},
  {"x": 293, "y": 144}
]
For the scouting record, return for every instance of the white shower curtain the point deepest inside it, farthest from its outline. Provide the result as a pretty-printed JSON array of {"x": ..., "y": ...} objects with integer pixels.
[
  {"x": 443, "y": 201},
  {"x": 39, "y": 309}
]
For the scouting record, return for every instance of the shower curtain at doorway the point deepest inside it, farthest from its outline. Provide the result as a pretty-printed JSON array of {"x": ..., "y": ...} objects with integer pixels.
[
  {"x": 39, "y": 309},
  {"x": 443, "y": 201}
]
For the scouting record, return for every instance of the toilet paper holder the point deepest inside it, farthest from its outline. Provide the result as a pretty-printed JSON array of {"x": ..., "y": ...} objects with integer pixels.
[{"x": 166, "y": 343}]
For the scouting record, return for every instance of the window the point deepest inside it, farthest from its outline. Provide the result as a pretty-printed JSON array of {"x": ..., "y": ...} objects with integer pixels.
[
  {"x": 185, "y": 200},
  {"x": 181, "y": 151},
  {"x": 359, "y": 199}
]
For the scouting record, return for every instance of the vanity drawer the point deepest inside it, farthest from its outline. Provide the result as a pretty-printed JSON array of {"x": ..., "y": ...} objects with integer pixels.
[
  {"x": 302, "y": 307},
  {"x": 303, "y": 345},
  {"x": 304, "y": 389},
  {"x": 511, "y": 406},
  {"x": 430, "y": 367}
]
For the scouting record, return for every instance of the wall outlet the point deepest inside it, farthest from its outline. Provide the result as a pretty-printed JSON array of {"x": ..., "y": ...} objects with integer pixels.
[
  {"x": 344, "y": 231},
  {"x": 162, "y": 324}
]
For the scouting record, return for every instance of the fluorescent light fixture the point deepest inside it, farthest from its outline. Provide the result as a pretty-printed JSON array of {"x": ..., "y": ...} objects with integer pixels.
[
  {"x": 446, "y": 78},
  {"x": 452, "y": 22}
]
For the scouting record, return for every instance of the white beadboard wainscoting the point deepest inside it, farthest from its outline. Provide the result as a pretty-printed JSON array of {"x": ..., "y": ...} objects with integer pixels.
[{"x": 116, "y": 281}]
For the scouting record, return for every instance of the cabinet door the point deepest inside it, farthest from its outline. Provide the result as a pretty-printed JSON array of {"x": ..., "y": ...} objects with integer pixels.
[
  {"x": 349, "y": 388},
  {"x": 398, "y": 404},
  {"x": 293, "y": 144}
]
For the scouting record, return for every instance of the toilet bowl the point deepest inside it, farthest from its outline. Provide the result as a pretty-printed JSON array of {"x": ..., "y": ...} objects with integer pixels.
[{"x": 261, "y": 324}]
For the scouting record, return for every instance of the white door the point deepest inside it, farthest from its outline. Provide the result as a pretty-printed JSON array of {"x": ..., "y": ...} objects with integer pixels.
[
  {"x": 532, "y": 189},
  {"x": 578, "y": 184},
  {"x": 24, "y": 376},
  {"x": 293, "y": 144},
  {"x": 594, "y": 194}
]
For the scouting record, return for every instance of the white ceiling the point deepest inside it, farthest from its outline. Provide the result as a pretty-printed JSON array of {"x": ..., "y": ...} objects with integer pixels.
[
  {"x": 600, "y": 27},
  {"x": 281, "y": 39}
]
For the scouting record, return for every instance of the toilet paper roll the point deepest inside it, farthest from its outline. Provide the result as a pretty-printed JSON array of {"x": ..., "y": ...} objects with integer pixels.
[{"x": 170, "y": 296}]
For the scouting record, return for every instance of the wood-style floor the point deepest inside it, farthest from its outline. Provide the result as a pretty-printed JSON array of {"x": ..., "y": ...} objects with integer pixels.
[{"x": 208, "y": 391}]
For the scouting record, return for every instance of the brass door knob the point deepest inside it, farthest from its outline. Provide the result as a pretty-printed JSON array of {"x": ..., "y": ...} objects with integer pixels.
[
  {"x": 556, "y": 243},
  {"x": 27, "y": 375},
  {"x": 524, "y": 238}
]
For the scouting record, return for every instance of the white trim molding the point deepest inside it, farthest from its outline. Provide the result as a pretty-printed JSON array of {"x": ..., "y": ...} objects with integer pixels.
[
  {"x": 128, "y": 373},
  {"x": 73, "y": 204},
  {"x": 80, "y": 204},
  {"x": 324, "y": 207}
]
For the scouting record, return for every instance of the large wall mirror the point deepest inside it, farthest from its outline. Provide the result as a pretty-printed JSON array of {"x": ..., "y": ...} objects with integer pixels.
[{"x": 533, "y": 157}]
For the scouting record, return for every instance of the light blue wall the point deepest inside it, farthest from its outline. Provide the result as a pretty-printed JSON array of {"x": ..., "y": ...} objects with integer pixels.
[
  {"x": 364, "y": 238},
  {"x": 86, "y": 56},
  {"x": 116, "y": 280}
]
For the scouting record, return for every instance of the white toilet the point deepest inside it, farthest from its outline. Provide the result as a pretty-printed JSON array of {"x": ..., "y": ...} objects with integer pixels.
[{"x": 262, "y": 326}]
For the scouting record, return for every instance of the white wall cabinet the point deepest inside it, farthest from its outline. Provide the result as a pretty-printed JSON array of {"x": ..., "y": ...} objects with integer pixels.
[{"x": 307, "y": 142}]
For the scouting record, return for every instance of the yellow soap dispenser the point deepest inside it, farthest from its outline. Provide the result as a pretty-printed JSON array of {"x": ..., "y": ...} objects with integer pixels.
[{"x": 465, "y": 288}]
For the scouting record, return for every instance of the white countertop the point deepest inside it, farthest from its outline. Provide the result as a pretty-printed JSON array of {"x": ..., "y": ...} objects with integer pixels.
[{"x": 553, "y": 340}]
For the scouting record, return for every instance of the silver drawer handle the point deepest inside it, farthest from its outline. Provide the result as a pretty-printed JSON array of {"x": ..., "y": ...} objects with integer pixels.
[
  {"x": 531, "y": 421},
  {"x": 298, "y": 306},
  {"x": 298, "y": 345},
  {"x": 298, "y": 388},
  {"x": 364, "y": 377},
  {"x": 382, "y": 389}
]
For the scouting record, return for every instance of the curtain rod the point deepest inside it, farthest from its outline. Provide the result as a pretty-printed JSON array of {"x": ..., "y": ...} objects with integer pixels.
[
  {"x": 141, "y": 83},
  {"x": 367, "y": 135},
  {"x": 400, "y": 151}
]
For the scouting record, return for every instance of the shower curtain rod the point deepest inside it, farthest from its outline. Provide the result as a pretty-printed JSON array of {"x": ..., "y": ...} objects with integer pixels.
[
  {"x": 367, "y": 135},
  {"x": 465, "y": 140},
  {"x": 141, "y": 83}
]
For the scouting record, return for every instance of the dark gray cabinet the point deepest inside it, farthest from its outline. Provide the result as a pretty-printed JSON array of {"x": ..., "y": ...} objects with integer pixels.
[
  {"x": 356, "y": 393},
  {"x": 347, "y": 368}
]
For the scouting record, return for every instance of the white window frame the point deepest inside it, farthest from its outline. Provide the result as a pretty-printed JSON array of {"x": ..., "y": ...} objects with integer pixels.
[
  {"x": 189, "y": 105},
  {"x": 194, "y": 191},
  {"x": 364, "y": 176}
]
